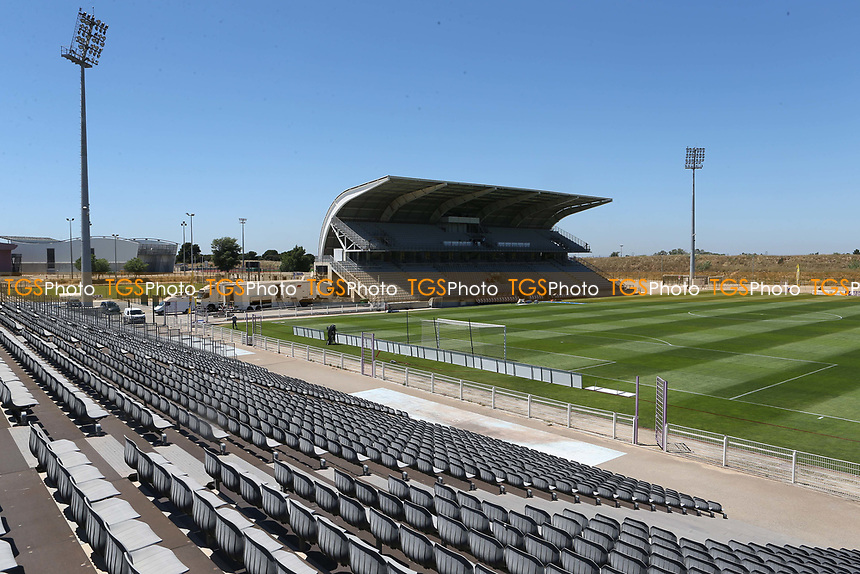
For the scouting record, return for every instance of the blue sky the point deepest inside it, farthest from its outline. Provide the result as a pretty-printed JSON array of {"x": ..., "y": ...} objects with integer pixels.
[{"x": 268, "y": 109}]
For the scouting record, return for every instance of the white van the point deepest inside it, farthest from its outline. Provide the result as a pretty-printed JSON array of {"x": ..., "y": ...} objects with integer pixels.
[
  {"x": 174, "y": 305},
  {"x": 133, "y": 315}
]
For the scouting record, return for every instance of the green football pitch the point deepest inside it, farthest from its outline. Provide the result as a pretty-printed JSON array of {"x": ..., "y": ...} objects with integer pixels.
[{"x": 780, "y": 370}]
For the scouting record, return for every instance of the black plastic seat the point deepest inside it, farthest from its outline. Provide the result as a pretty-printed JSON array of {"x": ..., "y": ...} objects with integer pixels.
[
  {"x": 417, "y": 547},
  {"x": 519, "y": 562},
  {"x": 449, "y": 562}
]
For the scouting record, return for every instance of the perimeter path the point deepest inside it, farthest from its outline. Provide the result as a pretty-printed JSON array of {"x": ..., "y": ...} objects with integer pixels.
[{"x": 759, "y": 510}]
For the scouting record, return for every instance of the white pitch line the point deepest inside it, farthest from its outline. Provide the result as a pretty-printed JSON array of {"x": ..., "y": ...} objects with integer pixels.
[
  {"x": 654, "y": 385},
  {"x": 674, "y": 390},
  {"x": 783, "y": 319},
  {"x": 586, "y": 333},
  {"x": 785, "y": 381},
  {"x": 819, "y": 415},
  {"x": 597, "y": 365},
  {"x": 557, "y": 353}
]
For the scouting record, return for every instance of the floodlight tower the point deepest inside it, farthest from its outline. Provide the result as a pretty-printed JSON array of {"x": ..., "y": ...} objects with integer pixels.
[
  {"x": 71, "y": 253},
  {"x": 191, "y": 217},
  {"x": 183, "y": 245},
  {"x": 242, "y": 221},
  {"x": 115, "y": 263},
  {"x": 695, "y": 159},
  {"x": 88, "y": 41}
]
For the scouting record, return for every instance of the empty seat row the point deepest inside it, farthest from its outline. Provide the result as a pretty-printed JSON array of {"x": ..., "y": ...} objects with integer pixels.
[
  {"x": 14, "y": 395},
  {"x": 80, "y": 404},
  {"x": 7, "y": 554},
  {"x": 128, "y": 545},
  {"x": 238, "y": 538},
  {"x": 332, "y": 540}
]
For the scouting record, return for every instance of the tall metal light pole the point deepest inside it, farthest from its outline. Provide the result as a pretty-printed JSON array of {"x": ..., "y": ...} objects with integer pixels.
[
  {"x": 695, "y": 158},
  {"x": 242, "y": 221},
  {"x": 184, "y": 267},
  {"x": 115, "y": 263},
  {"x": 88, "y": 41},
  {"x": 191, "y": 217},
  {"x": 71, "y": 253}
]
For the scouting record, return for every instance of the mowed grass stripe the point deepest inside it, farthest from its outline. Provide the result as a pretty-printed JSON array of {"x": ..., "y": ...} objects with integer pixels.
[{"x": 770, "y": 347}]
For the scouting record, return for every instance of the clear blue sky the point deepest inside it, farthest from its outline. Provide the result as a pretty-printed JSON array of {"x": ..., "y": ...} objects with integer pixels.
[{"x": 269, "y": 109}]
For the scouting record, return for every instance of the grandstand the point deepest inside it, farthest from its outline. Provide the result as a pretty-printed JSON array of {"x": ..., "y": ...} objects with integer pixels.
[
  {"x": 394, "y": 229},
  {"x": 157, "y": 451}
]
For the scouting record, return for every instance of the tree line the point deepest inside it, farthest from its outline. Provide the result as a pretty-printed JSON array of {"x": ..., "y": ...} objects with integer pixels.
[{"x": 227, "y": 254}]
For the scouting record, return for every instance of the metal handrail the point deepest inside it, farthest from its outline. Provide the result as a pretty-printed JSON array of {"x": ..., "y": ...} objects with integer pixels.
[{"x": 573, "y": 238}]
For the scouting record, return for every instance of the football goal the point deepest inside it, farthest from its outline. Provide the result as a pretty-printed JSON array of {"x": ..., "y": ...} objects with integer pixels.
[{"x": 485, "y": 339}]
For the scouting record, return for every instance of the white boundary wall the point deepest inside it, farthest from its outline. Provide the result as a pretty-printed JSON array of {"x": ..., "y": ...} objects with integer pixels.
[{"x": 524, "y": 370}]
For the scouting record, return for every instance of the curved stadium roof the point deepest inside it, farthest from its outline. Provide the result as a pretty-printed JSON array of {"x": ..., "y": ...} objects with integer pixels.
[{"x": 408, "y": 200}]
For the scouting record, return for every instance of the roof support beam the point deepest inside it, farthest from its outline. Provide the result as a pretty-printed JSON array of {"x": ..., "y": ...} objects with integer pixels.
[
  {"x": 537, "y": 210},
  {"x": 407, "y": 198},
  {"x": 565, "y": 211},
  {"x": 455, "y": 201},
  {"x": 497, "y": 205}
]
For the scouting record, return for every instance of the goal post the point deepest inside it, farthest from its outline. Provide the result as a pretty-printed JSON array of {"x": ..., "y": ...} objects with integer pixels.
[{"x": 486, "y": 339}]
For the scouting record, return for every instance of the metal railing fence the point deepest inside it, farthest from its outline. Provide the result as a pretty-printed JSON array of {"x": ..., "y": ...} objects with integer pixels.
[{"x": 814, "y": 471}]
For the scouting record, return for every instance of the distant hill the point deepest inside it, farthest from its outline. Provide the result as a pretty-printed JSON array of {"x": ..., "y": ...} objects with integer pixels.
[{"x": 764, "y": 268}]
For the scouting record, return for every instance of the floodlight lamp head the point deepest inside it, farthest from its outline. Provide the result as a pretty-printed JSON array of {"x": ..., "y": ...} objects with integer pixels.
[
  {"x": 695, "y": 158},
  {"x": 88, "y": 40}
]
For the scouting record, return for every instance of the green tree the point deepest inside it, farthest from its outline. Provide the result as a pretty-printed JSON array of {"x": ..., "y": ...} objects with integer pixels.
[
  {"x": 251, "y": 256},
  {"x": 296, "y": 260},
  {"x": 614, "y": 254},
  {"x": 678, "y": 251},
  {"x": 857, "y": 252},
  {"x": 135, "y": 265},
  {"x": 225, "y": 253},
  {"x": 98, "y": 266},
  {"x": 101, "y": 266},
  {"x": 271, "y": 255},
  {"x": 184, "y": 255}
]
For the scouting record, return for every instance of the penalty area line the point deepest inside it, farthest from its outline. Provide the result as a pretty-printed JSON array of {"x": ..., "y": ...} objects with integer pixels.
[
  {"x": 798, "y": 411},
  {"x": 830, "y": 366}
]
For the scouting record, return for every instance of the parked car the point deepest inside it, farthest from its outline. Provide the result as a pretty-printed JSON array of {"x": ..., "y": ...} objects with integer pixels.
[
  {"x": 110, "y": 308},
  {"x": 133, "y": 315}
]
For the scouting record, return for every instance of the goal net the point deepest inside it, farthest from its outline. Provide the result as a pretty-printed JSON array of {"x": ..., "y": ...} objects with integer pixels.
[{"x": 485, "y": 339}]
